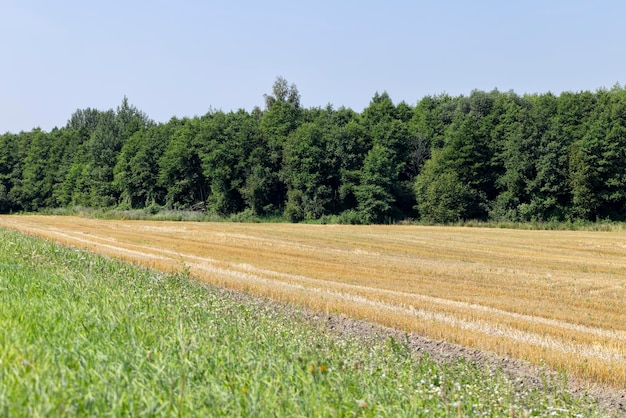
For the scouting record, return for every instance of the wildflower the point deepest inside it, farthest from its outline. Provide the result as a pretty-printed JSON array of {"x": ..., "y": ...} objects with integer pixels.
[{"x": 361, "y": 403}]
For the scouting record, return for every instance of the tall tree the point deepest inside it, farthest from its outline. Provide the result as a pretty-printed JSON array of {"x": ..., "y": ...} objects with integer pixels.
[
  {"x": 64, "y": 145},
  {"x": 281, "y": 117},
  {"x": 307, "y": 173},
  {"x": 380, "y": 110},
  {"x": 101, "y": 151},
  {"x": 38, "y": 173},
  {"x": 442, "y": 197},
  {"x": 376, "y": 203},
  {"x": 180, "y": 168},
  {"x": 129, "y": 119},
  {"x": 9, "y": 171},
  {"x": 516, "y": 152},
  {"x": 598, "y": 161},
  {"x": 348, "y": 145},
  {"x": 84, "y": 120},
  {"x": 226, "y": 144},
  {"x": 137, "y": 169}
]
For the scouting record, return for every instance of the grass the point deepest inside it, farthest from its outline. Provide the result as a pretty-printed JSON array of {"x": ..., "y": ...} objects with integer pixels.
[
  {"x": 161, "y": 214},
  {"x": 349, "y": 217},
  {"x": 83, "y": 335}
]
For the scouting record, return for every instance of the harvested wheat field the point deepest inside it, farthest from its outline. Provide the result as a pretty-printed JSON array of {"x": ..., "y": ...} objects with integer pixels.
[{"x": 551, "y": 297}]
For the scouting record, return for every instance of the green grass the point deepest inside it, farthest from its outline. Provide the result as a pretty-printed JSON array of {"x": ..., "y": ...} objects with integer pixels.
[
  {"x": 162, "y": 214},
  {"x": 349, "y": 217},
  {"x": 83, "y": 335}
]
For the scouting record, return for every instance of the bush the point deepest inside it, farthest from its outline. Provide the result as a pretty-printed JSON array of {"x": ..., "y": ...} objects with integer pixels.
[{"x": 246, "y": 216}]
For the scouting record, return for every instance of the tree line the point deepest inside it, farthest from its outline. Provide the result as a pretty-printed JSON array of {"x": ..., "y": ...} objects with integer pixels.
[{"x": 486, "y": 156}]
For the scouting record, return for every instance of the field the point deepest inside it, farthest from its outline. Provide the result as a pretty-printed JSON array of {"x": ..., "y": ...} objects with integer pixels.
[
  {"x": 83, "y": 335},
  {"x": 550, "y": 297}
]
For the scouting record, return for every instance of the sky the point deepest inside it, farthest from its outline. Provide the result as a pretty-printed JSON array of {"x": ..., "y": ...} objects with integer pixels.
[{"x": 184, "y": 58}]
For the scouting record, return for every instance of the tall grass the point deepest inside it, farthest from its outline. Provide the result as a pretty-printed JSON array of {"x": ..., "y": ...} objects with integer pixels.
[
  {"x": 82, "y": 335},
  {"x": 162, "y": 214},
  {"x": 349, "y": 217}
]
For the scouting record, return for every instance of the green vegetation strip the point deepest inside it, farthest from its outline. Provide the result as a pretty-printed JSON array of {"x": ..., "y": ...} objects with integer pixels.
[{"x": 83, "y": 335}]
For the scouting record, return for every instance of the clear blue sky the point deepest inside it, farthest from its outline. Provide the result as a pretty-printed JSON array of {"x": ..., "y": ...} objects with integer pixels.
[{"x": 180, "y": 58}]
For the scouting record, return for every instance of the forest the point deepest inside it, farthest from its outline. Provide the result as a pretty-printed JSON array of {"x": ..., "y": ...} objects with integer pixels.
[{"x": 489, "y": 156}]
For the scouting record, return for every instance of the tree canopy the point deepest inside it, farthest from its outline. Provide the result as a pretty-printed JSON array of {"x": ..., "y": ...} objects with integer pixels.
[{"x": 489, "y": 156}]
